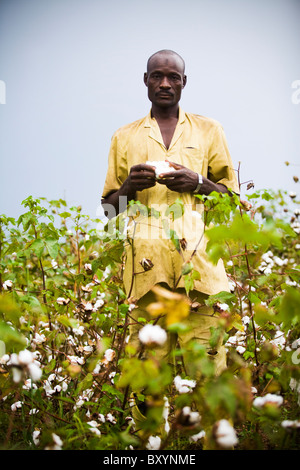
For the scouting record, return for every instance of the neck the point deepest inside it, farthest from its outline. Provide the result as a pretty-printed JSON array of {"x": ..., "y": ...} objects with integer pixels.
[{"x": 171, "y": 112}]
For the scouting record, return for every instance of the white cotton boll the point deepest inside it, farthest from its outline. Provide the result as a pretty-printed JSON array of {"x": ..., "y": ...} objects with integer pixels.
[
  {"x": 57, "y": 441},
  {"x": 197, "y": 437},
  {"x": 35, "y": 436},
  {"x": 34, "y": 371},
  {"x": 240, "y": 349},
  {"x": 7, "y": 285},
  {"x": 14, "y": 360},
  {"x": 110, "y": 418},
  {"x": 61, "y": 301},
  {"x": 28, "y": 385},
  {"x": 16, "y": 405},
  {"x": 17, "y": 375},
  {"x": 290, "y": 424},
  {"x": 154, "y": 443},
  {"x": 94, "y": 427},
  {"x": 152, "y": 334},
  {"x": 184, "y": 385},
  {"x": 225, "y": 434},
  {"x": 160, "y": 167},
  {"x": 269, "y": 398},
  {"x": 4, "y": 359},
  {"x": 25, "y": 357},
  {"x": 246, "y": 320},
  {"x": 109, "y": 354},
  {"x": 193, "y": 416},
  {"x": 79, "y": 331},
  {"x": 98, "y": 304},
  {"x": 88, "y": 307},
  {"x": 38, "y": 339},
  {"x": 54, "y": 264}
]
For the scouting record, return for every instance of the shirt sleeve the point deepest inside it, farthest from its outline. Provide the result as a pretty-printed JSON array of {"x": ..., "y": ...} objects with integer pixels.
[
  {"x": 117, "y": 168},
  {"x": 220, "y": 165}
]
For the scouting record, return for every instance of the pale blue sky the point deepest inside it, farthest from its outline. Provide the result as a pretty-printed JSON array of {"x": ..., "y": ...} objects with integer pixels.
[{"x": 73, "y": 71}]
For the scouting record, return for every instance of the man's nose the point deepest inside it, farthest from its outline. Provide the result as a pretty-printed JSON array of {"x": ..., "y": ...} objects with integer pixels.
[{"x": 165, "y": 83}]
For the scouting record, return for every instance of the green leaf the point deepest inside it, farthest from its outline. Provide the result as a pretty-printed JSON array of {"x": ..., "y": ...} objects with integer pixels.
[
  {"x": 187, "y": 268},
  {"x": 37, "y": 246},
  {"x": 85, "y": 383},
  {"x": 176, "y": 210},
  {"x": 171, "y": 234},
  {"x": 52, "y": 247}
]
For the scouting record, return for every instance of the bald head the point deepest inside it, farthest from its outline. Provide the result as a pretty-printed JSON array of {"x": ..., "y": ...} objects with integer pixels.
[{"x": 165, "y": 53}]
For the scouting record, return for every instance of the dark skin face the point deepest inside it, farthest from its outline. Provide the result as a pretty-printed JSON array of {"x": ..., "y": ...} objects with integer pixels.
[{"x": 165, "y": 80}]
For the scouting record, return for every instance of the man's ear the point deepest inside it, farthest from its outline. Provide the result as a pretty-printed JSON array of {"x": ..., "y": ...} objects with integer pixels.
[
  {"x": 184, "y": 81},
  {"x": 146, "y": 78}
]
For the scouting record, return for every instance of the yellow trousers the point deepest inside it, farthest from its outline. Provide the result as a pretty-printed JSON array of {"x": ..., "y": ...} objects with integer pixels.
[{"x": 199, "y": 323}]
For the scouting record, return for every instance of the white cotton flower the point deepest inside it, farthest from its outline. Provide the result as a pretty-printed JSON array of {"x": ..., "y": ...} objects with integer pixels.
[
  {"x": 184, "y": 385},
  {"x": 76, "y": 360},
  {"x": 4, "y": 359},
  {"x": 193, "y": 416},
  {"x": 28, "y": 385},
  {"x": 98, "y": 304},
  {"x": 88, "y": 307},
  {"x": 35, "y": 436},
  {"x": 62, "y": 301},
  {"x": 16, "y": 405},
  {"x": 54, "y": 264},
  {"x": 166, "y": 414},
  {"x": 38, "y": 339},
  {"x": 95, "y": 431},
  {"x": 57, "y": 442},
  {"x": 269, "y": 398},
  {"x": 225, "y": 434},
  {"x": 245, "y": 320},
  {"x": 197, "y": 437},
  {"x": 34, "y": 411},
  {"x": 17, "y": 375},
  {"x": 94, "y": 427},
  {"x": 279, "y": 339},
  {"x": 111, "y": 418},
  {"x": 7, "y": 284},
  {"x": 34, "y": 371},
  {"x": 25, "y": 357},
  {"x": 290, "y": 424},
  {"x": 152, "y": 334},
  {"x": 79, "y": 331},
  {"x": 154, "y": 443},
  {"x": 109, "y": 355},
  {"x": 240, "y": 349},
  {"x": 160, "y": 167},
  {"x": 223, "y": 306}
]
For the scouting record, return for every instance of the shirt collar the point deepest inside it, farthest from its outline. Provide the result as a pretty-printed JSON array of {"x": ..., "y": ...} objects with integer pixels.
[{"x": 149, "y": 120}]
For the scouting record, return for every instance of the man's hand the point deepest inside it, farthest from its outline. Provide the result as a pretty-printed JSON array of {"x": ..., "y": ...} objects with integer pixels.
[
  {"x": 182, "y": 180},
  {"x": 141, "y": 177}
]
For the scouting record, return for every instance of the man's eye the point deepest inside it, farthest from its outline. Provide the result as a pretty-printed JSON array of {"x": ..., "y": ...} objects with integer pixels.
[
  {"x": 175, "y": 77},
  {"x": 156, "y": 76}
]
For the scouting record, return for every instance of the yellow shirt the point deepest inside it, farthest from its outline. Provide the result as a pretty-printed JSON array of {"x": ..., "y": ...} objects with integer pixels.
[{"x": 199, "y": 144}]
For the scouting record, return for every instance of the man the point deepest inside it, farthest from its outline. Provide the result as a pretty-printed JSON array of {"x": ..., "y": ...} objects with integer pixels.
[{"x": 200, "y": 162}]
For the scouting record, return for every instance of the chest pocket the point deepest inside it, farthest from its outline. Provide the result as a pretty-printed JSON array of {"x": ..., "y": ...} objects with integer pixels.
[{"x": 193, "y": 158}]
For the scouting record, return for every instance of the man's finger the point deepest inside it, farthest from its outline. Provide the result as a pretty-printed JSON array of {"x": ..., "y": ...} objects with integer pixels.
[{"x": 174, "y": 165}]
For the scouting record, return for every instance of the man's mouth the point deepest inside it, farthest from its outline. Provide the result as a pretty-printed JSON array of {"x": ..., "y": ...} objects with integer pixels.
[{"x": 164, "y": 94}]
